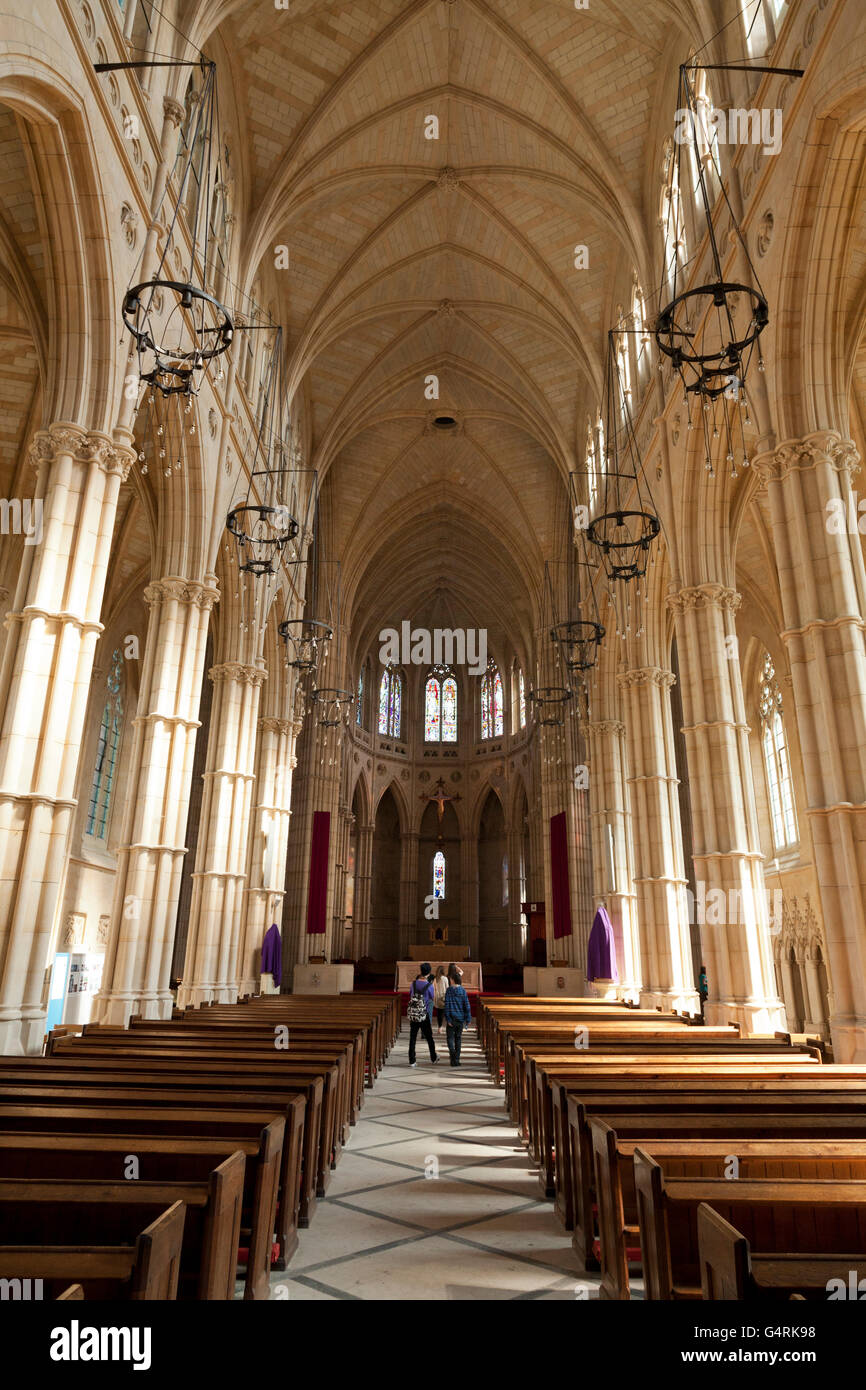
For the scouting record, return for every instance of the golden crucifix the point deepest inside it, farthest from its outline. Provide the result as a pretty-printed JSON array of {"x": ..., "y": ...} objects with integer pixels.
[{"x": 441, "y": 799}]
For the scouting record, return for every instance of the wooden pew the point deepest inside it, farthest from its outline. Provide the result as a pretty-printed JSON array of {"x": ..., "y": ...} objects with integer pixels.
[
  {"x": 778, "y": 1215},
  {"x": 826, "y": 1093},
  {"x": 619, "y": 1066},
  {"x": 124, "y": 1082},
  {"x": 142, "y": 1265},
  {"x": 31, "y": 1208},
  {"x": 691, "y": 1156},
  {"x": 161, "y": 1159},
  {"x": 730, "y": 1271}
]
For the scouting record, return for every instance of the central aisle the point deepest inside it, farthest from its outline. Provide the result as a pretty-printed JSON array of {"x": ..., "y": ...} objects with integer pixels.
[{"x": 478, "y": 1230}]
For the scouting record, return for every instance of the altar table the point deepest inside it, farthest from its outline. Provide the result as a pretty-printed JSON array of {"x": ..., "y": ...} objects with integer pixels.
[{"x": 407, "y": 971}]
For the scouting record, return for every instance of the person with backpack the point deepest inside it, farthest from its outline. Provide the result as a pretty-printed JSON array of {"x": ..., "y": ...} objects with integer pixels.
[
  {"x": 420, "y": 1011},
  {"x": 440, "y": 985},
  {"x": 458, "y": 1014}
]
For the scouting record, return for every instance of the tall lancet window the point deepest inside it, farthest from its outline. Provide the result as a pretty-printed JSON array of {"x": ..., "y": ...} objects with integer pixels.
[
  {"x": 440, "y": 706},
  {"x": 359, "y": 699},
  {"x": 521, "y": 696},
  {"x": 106, "y": 751},
  {"x": 491, "y": 702},
  {"x": 777, "y": 764},
  {"x": 439, "y": 875},
  {"x": 390, "y": 702}
]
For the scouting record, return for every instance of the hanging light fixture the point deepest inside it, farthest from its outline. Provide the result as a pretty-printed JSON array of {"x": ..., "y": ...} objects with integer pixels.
[
  {"x": 307, "y": 627},
  {"x": 178, "y": 324},
  {"x": 263, "y": 523},
  {"x": 710, "y": 332},
  {"x": 549, "y": 702},
  {"x": 580, "y": 633},
  {"x": 626, "y": 526}
]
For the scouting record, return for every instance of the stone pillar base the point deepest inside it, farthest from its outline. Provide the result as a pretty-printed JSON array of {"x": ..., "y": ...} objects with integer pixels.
[
  {"x": 22, "y": 1035},
  {"x": 767, "y": 1017},
  {"x": 193, "y": 996},
  {"x": 848, "y": 1035},
  {"x": 671, "y": 1000},
  {"x": 116, "y": 1010}
]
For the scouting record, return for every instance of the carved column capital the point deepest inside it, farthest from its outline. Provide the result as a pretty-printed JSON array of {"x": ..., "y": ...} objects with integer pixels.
[
  {"x": 704, "y": 596},
  {"x": 606, "y": 727},
  {"x": 82, "y": 445},
  {"x": 236, "y": 671},
  {"x": 824, "y": 446},
  {"x": 173, "y": 588},
  {"x": 173, "y": 110},
  {"x": 272, "y": 725},
  {"x": 647, "y": 675}
]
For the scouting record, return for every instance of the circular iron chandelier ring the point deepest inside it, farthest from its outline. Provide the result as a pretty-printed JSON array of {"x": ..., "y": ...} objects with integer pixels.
[
  {"x": 665, "y": 324},
  {"x": 224, "y": 331}
]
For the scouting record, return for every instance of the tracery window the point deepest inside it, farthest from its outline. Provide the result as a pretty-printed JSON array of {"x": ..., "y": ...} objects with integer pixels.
[
  {"x": 491, "y": 702},
  {"x": 672, "y": 217},
  {"x": 390, "y": 702},
  {"x": 106, "y": 750},
  {"x": 440, "y": 706},
  {"x": 777, "y": 764},
  {"x": 439, "y": 875},
  {"x": 359, "y": 699}
]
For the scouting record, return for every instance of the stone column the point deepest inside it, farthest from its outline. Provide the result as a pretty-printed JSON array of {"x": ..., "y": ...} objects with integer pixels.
[
  {"x": 52, "y": 630},
  {"x": 819, "y": 556},
  {"x": 137, "y": 969},
  {"x": 211, "y": 966},
  {"x": 269, "y": 842},
  {"x": 663, "y": 909},
  {"x": 731, "y": 906},
  {"x": 514, "y": 843},
  {"x": 363, "y": 887},
  {"x": 469, "y": 925},
  {"x": 408, "y": 919},
  {"x": 609, "y": 802}
]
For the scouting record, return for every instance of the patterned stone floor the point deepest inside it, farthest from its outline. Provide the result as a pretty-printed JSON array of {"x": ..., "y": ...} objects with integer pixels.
[{"x": 434, "y": 1198}]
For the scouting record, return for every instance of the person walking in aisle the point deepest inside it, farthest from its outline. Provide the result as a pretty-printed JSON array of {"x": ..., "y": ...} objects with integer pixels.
[
  {"x": 440, "y": 985},
  {"x": 419, "y": 1012},
  {"x": 458, "y": 1014}
]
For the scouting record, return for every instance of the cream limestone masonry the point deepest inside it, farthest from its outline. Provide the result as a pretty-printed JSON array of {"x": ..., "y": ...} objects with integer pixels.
[
  {"x": 269, "y": 842},
  {"x": 137, "y": 970},
  {"x": 47, "y": 664},
  {"x": 219, "y": 878},
  {"x": 609, "y": 797},
  {"x": 726, "y": 845},
  {"x": 823, "y": 583},
  {"x": 666, "y": 956}
]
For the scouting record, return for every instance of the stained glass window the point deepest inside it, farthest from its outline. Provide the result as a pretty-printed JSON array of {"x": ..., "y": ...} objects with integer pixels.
[
  {"x": 505, "y": 880},
  {"x": 106, "y": 751},
  {"x": 776, "y": 761},
  {"x": 390, "y": 702},
  {"x": 359, "y": 702},
  {"x": 439, "y": 874},
  {"x": 491, "y": 702},
  {"x": 383, "y": 703},
  {"x": 521, "y": 685},
  {"x": 431, "y": 711},
  {"x": 440, "y": 707},
  {"x": 449, "y": 710}
]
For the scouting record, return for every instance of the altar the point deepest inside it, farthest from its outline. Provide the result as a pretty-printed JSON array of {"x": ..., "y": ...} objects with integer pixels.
[
  {"x": 455, "y": 953},
  {"x": 407, "y": 971}
]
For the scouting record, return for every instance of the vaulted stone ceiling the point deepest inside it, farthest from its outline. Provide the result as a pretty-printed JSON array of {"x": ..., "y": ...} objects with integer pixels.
[{"x": 453, "y": 256}]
